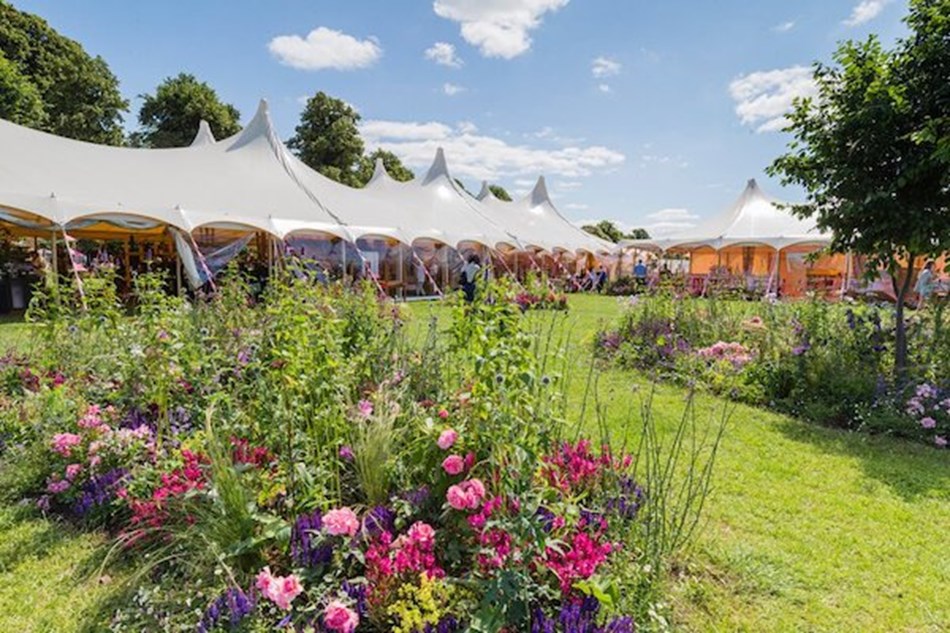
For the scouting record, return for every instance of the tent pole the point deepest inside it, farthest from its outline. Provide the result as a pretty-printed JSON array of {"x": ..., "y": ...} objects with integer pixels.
[
  {"x": 343, "y": 260},
  {"x": 54, "y": 257},
  {"x": 177, "y": 272},
  {"x": 401, "y": 280},
  {"x": 778, "y": 274}
]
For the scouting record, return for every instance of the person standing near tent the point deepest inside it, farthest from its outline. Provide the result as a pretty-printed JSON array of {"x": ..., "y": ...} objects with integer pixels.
[
  {"x": 925, "y": 284},
  {"x": 640, "y": 274},
  {"x": 469, "y": 275}
]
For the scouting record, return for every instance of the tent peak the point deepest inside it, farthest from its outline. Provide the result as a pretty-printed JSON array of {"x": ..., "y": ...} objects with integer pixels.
[
  {"x": 260, "y": 126},
  {"x": 486, "y": 193},
  {"x": 539, "y": 195},
  {"x": 379, "y": 172},
  {"x": 204, "y": 136},
  {"x": 439, "y": 169}
]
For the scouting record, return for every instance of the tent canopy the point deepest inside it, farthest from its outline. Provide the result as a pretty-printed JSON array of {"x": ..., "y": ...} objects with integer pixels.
[
  {"x": 754, "y": 219},
  {"x": 251, "y": 181}
]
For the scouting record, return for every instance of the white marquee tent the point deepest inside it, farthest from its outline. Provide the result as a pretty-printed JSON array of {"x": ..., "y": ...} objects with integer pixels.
[{"x": 251, "y": 182}]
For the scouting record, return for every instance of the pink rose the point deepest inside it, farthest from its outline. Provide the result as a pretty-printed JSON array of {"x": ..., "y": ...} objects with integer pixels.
[
  {"x": 928, "y": 423},
  {"x": 447, "y": 439},
  {"x": 72, "y": 471},
  {"x": 281, "y": 590},
  {"x": 422, "y": 533},
  {"x": 341, "y": 521},
  {"x": 457, "y": 497},
  {"x": 338, "y": 617},
  {"x": 477, "y": 488},
  {"x": 453, "y": 464},
  {"x": 467, "y": 495},
  {"x": 443, "y": 413}
]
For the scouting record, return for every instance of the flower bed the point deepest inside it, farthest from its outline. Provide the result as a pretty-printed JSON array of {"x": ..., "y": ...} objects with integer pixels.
[
  {"x": 294, "y": 464},
  {"x": 829, "y": 363}
]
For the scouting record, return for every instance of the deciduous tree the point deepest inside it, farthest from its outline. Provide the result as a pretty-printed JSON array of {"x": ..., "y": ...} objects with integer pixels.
[
  {"x": 871, "y": 151},
  {"x": 170, "y": 117},
  {"x": 79, "y": 94}
]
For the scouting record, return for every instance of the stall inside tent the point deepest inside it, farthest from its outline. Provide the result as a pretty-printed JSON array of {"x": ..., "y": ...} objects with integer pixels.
[
  {"x": 211, "y": 195},
  {"x": 758, "y": 246}
]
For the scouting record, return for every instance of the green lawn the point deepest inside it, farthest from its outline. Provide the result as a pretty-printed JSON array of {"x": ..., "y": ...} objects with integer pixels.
[{"x": 808, "y": 529}]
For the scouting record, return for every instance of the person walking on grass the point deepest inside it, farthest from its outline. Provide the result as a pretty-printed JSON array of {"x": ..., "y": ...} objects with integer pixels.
[
  {"x": 469, "y": 276},
  {"x": 925, "y": 284},
  {"x": 640, "y": 274}
]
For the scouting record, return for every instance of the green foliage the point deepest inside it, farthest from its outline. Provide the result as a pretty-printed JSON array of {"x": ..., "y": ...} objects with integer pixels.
[
  {"x": 500, "y": 192},
  {"x": 20, "y": 101},
  {"x": 607, "y": 230},
  {"x": 79, "y": 94},
  {"x": 170, "y": 117},
  {"x": 869, "y": 149},
  {"x": 328, "y": 140}
]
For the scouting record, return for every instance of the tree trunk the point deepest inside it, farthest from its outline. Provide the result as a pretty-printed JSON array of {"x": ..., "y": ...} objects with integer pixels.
[{"x": 900, "y": 332}]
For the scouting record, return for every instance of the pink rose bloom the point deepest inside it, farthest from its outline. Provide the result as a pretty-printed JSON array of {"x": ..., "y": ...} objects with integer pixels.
[
  {"x": 63, "y": 443},
  {"x": 341, "y": 522},
  {"x": 422, "y": 533},
  {"x": 56, "y": 487},
  {"x": 447, "y": 439},
  {"x": 928, "y": 423},
  {"x": 72, "y": 471},
  {"x": 365, "y": 408},
  {"x": 443, "y": 413},
  {"x": 94, "y": 461},
  {"x": 281, "y": 590},
  {"x": 467, "y": 495},
  {"x": 453, "y": 464},
  {"x": 477, "y": 488},
  {"x": 457, "y": 497},
  {"x": 338, "y": 617},
  {"x": 940, "y": 441}
]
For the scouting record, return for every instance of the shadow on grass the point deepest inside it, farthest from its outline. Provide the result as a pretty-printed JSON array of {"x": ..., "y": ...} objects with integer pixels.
[{"x": 911, "y": 470}]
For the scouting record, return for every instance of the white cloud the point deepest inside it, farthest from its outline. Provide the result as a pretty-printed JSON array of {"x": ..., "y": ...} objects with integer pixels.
[
  {"x": 452, "y": 89},
  {"x": 568, "y": 185},
  {"x": 467, "y": 127},
  {"x": 576, "y": 206},
  {"x": 483, "y": 157},
  {"x": 499, "y": 28},
  {"x": 865, "y": 11},
  {"x": 605, "y": 67},
  {"x": 325, "y": 48},
  {"x": 784, "y": 27},
  {"x": 604, "y": 88},
  {"x": 667, "y": 222},
  {"x": 443, "y": 53},
  {"x": 656, "y": 159},
  {"x": 764, "y": 98}
]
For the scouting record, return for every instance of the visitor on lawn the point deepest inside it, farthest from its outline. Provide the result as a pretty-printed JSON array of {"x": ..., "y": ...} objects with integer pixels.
[
  {"x": 469, "y": 276},
  {"x": 640, "y": 273}
]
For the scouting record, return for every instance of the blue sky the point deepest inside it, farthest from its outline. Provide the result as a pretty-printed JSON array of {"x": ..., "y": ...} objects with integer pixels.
[{"x": 649, "y": 113}]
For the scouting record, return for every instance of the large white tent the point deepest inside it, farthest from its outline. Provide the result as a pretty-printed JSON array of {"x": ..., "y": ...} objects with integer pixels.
[
  {"x": 251, "y": 182},
  {"x": 759, "y": 239},
  {"x": 754, "y": 219}
]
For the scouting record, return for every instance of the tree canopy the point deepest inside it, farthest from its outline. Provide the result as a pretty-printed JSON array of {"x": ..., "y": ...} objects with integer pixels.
[
  {"x": 607, "y": 230},
  {"x": 500, "y": 192},
  {"x": 871, "y": 149},
  {"x": 78, "y": 93},
  {"x": 328, "y": 139},
  {"x": 20, "y": 101},
  {"x": 170, "y": 117}
]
